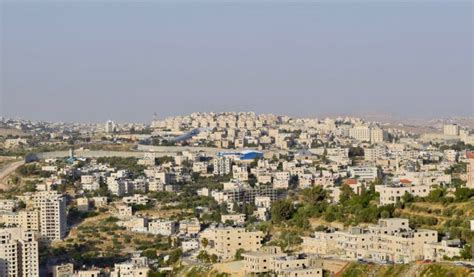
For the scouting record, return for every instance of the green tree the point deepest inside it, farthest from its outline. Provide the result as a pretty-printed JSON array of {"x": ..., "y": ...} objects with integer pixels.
[
  {"x": 238, "y": 254},
  {"x": 282, "y": 210},
  {"x": 466, "y": 252},
  {"x": 204, "y": 242}
]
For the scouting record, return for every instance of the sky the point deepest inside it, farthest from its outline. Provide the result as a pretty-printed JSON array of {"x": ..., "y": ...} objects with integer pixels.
[{"x": 90, "y": 61}]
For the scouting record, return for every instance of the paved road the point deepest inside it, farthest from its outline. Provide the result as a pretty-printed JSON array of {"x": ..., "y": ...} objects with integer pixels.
[{"x": 6, "y": 170}]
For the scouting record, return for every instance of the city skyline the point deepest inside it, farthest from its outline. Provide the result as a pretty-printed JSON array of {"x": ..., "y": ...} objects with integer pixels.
[{"x": 130, "y": 60}]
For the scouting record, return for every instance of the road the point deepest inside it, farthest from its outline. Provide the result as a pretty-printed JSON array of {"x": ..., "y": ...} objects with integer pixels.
[{"x": 7, "y": 170}]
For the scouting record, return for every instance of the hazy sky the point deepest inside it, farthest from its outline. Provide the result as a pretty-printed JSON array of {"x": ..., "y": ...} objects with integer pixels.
[{"x": 93, "y": 60}]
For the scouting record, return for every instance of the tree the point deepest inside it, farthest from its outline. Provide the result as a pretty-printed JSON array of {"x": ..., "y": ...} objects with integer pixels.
[
  {"x": 282, "y": 210},
  {"x": 238, "y": 254},
  {"x": 213, "y": 258},
  {"x": 203, "y": 256},
  {"x": 466, "y": 252},
  {"x": 346, "y": 193},
  {"x": 463, "y": 194},
  {"x": 315, "y": 195},
  {"x": 204, "y": 242}
]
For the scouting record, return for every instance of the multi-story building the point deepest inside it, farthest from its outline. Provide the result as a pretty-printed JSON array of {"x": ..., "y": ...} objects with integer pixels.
[
  {"x": 470, "y": 170},
  {"x": 446, "y": 248},
  {"x": 367, "y": 173},
  {"x": 375, "y": 153},
  {"x": 272, "y": 259},
  {"x": 18, "y": 253},
  {"x": 225, "y": 241},
  {"x": 451, "y": 129},
  {"x": 391, "y": 194},
  {"x": 222, "y": 166},
  {"x": 235, "y": 218},
  {"x": 52, "y": 214},
  {"x": 163, "y": 227},
  {"x": 361, "y": 133},
  {"x": 240, "y": 172},
  {"x": 190, "y": 226},
  {"x": 392, "y": 240},
  {"x": 377, "y": 135},
  {"x": 110, "y": 126}
]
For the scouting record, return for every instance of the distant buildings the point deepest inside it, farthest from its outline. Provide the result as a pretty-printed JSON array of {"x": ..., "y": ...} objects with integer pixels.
[
  {"x": 110, "y": 126},
  {"x": 470, "y": 169},
  {"x": 451, "y": 129},
  {"x": 364, "y": 133}
]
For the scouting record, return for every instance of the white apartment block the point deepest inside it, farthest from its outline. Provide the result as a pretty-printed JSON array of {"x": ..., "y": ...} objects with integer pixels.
[
  {"x": 391, "y": 194},
  {"x": 235, "y": 218},
  {"x": 470, "y": 170},
  {"x": 377, "y": 135},
  {"x": 450, "y": 155},
  {"x": 374, "y": 154},
  {"x": 18, "y": 253},
  {"x": 52, "y": 214},
  {"x": 225, "y": 241},
  {"x": 8, "y": 205},
  {"x": 165, "y": 227},
  {"x": 190, "y": 244},
  {"x": 201, "y": 167},
  {"x": 446, "y": 248},
  {"x": 451, "y": 129},
  {"x": 271, "y": 259},
  {"x": 364, "y": 133},
  {"x": 392, "y": 240},
  {"x": 240, "y": 173},
  {"x": 222, "y": 166},
  {"x": 190, "y": 226},
  {"x": 360, "y": 133},
  {"x": 368, "y": 173}
]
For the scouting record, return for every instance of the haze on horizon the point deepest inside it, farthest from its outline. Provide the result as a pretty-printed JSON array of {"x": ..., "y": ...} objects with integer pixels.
[{"x": 92, "y": 61}]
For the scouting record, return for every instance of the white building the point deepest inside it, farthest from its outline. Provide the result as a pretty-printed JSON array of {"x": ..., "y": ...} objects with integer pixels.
[
  {"x": 470, "y": 170},
  {"x": 110, "y": 126},
  {"x": 18, "y": 253},
  {"x": 391, "y": 194},
  {"x": 451, "y": 129},
  {"x": 222, "y": 166},
  {"x": 368, "y": 173},
  {"x": 163, "y": 227},
  {"x": 52, "y": 214}
]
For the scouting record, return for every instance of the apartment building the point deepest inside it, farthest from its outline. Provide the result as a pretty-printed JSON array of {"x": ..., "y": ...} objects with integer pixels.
[
  {"x": 240, "y": 172},
  {"x": 451, "y": 129},
  {"x": 189, "y": 226},
  {"x": 375, "y": 153},
  {"x": 377, "y": 135},
  {"x": 235, "y": 218},
  {"x": 272, "y": 259},
  {"x": 244, "y": 194},
  {"x": 52, "y": 214},
  {"x": 392, "y": 240},
  {"x": 18, "y": 253},
  {"x": 470, "y": 169},
  {"x": 225, "y": 241},
  {"x": 445, "y": 248},
  {"x": 360, "y": 133},
  {"x": 391, "y": 194},
  {"x": 368, "y": 173},
  {"x": 222, "y": 166},
  {"x": 163, "y": 227}
]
